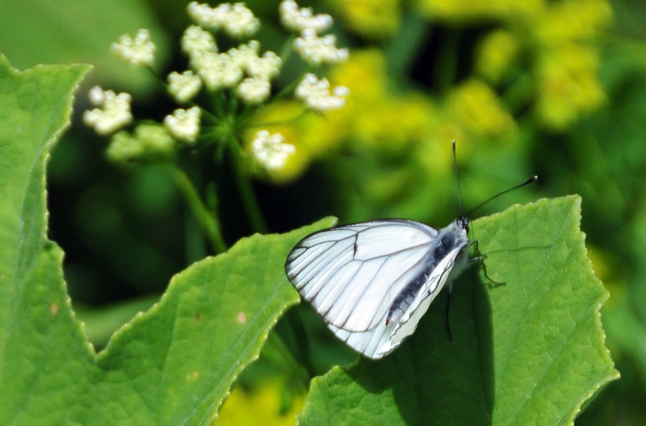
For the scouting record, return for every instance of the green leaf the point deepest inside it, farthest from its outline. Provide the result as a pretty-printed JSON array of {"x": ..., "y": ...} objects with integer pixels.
[
  {"x": 548, "y": 341},
  {"x": 60, "y": 31},
  {"x": 172, "y": 365},
  {"x": 541, "y": 334},
  {"x": 429, "y": 380}
]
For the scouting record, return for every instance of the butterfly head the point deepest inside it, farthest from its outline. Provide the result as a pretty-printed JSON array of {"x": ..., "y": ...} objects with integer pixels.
[{"x": 463, "y": 223}]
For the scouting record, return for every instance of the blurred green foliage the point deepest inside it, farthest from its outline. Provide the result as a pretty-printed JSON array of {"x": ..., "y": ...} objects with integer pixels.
[{"x": 552, "y": 88}]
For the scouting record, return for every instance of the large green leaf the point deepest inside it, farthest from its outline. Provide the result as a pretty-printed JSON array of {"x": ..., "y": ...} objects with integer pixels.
[
  {"x": 541, "y": 334},
  {"x": 172, "y": 365}
]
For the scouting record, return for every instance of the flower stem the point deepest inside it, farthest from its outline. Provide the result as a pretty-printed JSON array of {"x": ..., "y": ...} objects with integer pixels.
[
  {"x": 446, "y": 65},
  {"x": 246, "y": 190},
  {"x": 208, "y": 221}
]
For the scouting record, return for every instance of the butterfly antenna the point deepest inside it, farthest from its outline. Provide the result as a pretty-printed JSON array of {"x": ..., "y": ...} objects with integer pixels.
[
  {"x": 457, "y": 178},
  {"x": 533, "y": 179}
]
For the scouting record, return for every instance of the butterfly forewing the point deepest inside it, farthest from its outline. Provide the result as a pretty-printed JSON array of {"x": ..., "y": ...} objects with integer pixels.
[
  {"x": 373, "y": 281},
  {"x": 352, "y": 274},
  {"x": 384, "y": 238}
]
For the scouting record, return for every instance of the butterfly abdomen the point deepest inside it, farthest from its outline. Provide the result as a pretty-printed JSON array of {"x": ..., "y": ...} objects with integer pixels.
[{"x": 446, "y": 241}]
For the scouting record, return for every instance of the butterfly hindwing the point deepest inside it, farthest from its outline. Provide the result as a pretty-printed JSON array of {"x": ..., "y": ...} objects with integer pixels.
[{"x": 383, "y": 339}]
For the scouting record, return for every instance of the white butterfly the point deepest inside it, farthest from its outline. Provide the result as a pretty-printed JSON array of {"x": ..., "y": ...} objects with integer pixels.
[{"x": 373, "y": 281}]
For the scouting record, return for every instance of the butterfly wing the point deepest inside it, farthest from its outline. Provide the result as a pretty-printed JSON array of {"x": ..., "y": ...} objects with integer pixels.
[
  {"x": 383, "y": 339},
  {"x": 352, "y": 274},
  {"x": 449, "y": 267}
]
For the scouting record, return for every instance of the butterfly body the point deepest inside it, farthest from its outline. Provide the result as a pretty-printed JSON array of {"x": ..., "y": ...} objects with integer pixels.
[{"x": 373, "y": 281}]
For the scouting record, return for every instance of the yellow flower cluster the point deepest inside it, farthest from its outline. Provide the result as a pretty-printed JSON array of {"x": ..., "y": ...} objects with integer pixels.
[
  {"x": 476, "y": 105},
  {"x": 463, "y": 11},
  {"x": 566, "y": 65},
  {"x": 553, "y": 40},
  {"x": 261, "y": 406},
  {"x": 372, "y": 19}
]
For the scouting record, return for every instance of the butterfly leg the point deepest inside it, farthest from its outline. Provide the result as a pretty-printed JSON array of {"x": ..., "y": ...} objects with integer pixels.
[
  {"x": 480, "y": 258},
  {"x": 448, "y": 321}
]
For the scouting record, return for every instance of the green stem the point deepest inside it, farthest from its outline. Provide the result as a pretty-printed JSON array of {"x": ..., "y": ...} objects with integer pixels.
[
  {"x": 289, "y": 88},
  {"x": 296, "y": 322},
  {"x": 207, "y": 221},
  {"x": 446, "y": 66},
  {"x": 286, "y": 50},
  {"x": 246, "y": 190}
]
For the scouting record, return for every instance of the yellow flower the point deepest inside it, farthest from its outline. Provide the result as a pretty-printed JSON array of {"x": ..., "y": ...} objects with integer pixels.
[
  {"x": 567, "y": 85},
  {"x": 374, "y": 19},
  {"x": 495, "y": 55},
  {"x": 365, "y": 75},
  {"x": 260, "y": 406},
  {"x": 476, "y": 105},
  {"x": 373, "y": 116},
  {"x": 478, "y": 10},
  {"x": 572, "y": 20}
]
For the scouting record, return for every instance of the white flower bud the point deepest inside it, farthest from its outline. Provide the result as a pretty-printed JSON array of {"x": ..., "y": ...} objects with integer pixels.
[
  {"x": 138, "y": 52},
  {"x": 270, "y": 151}
]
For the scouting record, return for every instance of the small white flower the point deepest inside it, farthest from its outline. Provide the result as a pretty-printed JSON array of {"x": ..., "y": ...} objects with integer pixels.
[
  {"x": 296, "y": 19},
  {"x": 184, "y": 86},
  {"x": 254, "y": 90},
  {"x": 96, "y": 96},
  {"x": 138, "y": 52},
  {"x": 319, "y": 50},
  {"x": 270, "y": 151},
  {"x": 205, "y": 15},
  {"x": 231, "y": 73},
  {"x": 242, "y": 23},
  {"x": 317, "y": 96},
  {"x": 236, "y": 20},
  {"x": 267, "y": 66},
  {"x": 218, "y": 70},
  {"x": 112, "y": 114},
  {"x": 197, "y": 41},
  {"x": 184, "y": 123}
]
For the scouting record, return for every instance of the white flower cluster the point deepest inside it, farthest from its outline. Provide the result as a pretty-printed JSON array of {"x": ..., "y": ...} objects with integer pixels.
[
  {"x": 227, "y": 69},
  {"x": 296, "y": 19},
  {"x": 243, "y": 69},
  {"x": 196, "y": 41},
  {"x": 316, "y": 93},
  {"x": 270, "y": 151},
  {"x": 313, "y": 49},
  {"x": 184, "y": 86},
  {"x": 112, "y": 114},
  {"x": 236, "y": 20},
  {"x": 319, "y": 50},
  {"x": 139, "y": 51},
  {"x": 184, "y": 124},
  {"x": 254, "y": 90}
]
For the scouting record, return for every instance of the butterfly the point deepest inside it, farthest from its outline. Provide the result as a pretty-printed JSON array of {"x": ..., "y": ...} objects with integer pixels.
[{"x": 372, "y": 282}]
